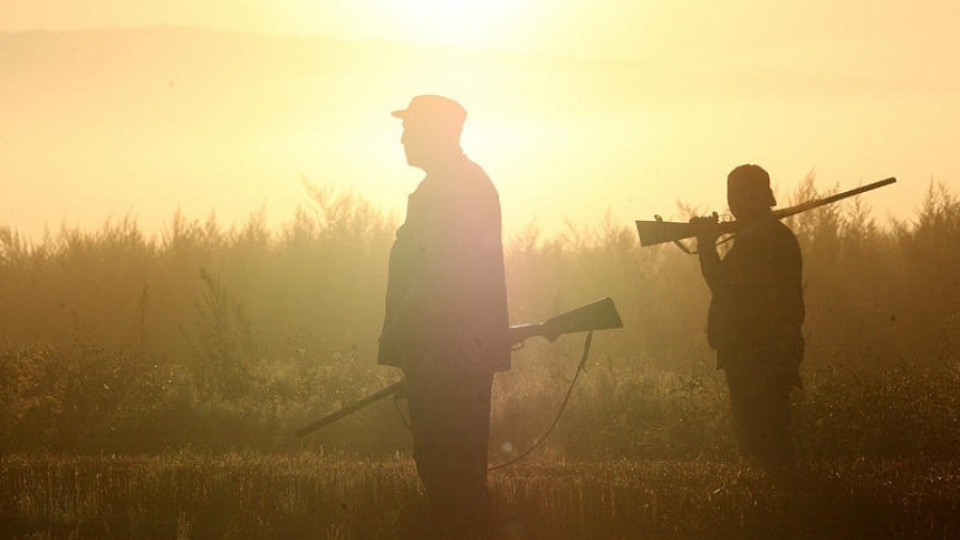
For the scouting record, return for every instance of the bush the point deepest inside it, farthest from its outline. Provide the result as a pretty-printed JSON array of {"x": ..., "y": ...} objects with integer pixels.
[{"x": 218, "y": 339}]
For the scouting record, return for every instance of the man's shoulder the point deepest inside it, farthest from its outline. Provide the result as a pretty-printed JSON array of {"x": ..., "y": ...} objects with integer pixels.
[
  {"x": 781, "y": 239},
  {"x": 768, "y": 234},
  {"x": 468, "y": 180},
  {"x": 772, "y": 228},
  {"x": 783, "y": 233},
  {"x": 474, "y": 175}
]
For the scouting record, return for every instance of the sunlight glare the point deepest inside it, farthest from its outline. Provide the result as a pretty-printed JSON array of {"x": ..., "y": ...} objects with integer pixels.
[{"x": 468, "y": 23}]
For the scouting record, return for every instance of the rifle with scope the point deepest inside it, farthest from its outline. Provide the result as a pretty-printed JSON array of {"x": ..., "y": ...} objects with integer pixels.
[
  {"x": 598, "y": 315},
  {"x": 659, "y": 231}
]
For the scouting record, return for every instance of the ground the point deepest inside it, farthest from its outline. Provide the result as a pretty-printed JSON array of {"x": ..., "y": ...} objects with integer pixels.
[{"x": 183, "y": 495}]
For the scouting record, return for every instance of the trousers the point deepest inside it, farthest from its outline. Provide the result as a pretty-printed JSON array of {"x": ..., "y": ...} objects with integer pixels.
[
  {"x": 449, "y": 409},
  {"x": 760, "y": 382}
]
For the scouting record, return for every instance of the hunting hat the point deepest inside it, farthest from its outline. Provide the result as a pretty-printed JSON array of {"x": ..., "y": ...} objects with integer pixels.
[
  {"x": 437, "y": 111},
  {"x": 752, "y": 177}
]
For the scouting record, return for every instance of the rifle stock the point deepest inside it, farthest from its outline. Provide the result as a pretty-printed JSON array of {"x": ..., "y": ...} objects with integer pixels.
[
  {"x": 599, "y": 315},
  {"x": 657, "y": 232}
]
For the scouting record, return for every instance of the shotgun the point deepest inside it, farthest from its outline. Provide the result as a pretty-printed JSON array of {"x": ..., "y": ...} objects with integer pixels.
[
  {"x": 658, "y": 232},
  {"x": 598, "y": 315}
]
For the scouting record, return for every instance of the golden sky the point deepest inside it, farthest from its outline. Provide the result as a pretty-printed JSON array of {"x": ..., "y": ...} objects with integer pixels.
[{"x": 576, "y": 107}]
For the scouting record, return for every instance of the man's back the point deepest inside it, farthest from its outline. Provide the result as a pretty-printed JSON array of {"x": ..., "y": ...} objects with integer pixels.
[
  {"x": 446, "y": 290},
  {"x": 757, "y": 291}
]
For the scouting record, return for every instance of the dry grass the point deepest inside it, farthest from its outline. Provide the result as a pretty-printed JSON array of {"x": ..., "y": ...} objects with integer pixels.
[{"x": 310, "y": 496}]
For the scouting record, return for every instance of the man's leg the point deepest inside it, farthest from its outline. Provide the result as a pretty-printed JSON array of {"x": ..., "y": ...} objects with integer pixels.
[
  {"x": 774, "y": 421},
  {"x": 759, "y": 400},
  {"x": 450, "y": 420},
  {"x": 743, "y": 411}
]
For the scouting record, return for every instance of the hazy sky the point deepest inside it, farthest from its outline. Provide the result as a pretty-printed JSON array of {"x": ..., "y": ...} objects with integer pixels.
[
  {"x": 922, "y": 32},
  {"x": 857, "y": 90}
]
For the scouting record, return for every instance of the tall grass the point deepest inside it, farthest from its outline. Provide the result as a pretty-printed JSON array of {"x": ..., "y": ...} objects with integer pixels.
[
  {"x": 217, "y": 338},
  {"x": 185, "y": 495}
]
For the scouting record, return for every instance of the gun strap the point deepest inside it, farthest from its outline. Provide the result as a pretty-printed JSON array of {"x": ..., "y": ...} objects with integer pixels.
[
  {"x": 563, "y": 406},
  {"x": 403, "y": 417},
  {"x": 540, "y": 440}
]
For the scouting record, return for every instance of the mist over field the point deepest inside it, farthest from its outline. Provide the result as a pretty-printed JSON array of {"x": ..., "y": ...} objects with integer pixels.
[{"x": 118, "y": 340}]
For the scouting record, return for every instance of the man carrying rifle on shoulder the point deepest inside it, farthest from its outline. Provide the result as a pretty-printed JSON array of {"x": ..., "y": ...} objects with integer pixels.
[
  {"x": 755, "y": 315},
  {"x": 446, "y": 323}
]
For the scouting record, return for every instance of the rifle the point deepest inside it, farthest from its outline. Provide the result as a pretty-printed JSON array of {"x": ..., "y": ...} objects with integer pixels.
[
  {"x": 659, "y": 231},
  {"x": 598, "y": 315}
]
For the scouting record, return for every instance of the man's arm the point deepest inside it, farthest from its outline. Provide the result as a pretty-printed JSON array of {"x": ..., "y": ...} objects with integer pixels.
[{"x": 710, "y": 264}]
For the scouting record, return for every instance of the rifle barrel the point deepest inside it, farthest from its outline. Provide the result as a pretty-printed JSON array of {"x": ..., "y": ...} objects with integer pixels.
[{"x": 350, "y": 409}]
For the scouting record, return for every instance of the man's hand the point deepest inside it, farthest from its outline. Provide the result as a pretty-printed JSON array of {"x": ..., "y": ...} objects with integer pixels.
[
  {"x": 550, "y": 333},
  {"x": 707, "y": 230}
]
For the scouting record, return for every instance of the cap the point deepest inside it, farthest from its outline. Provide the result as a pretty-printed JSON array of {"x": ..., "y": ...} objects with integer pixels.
[
  {"x": 755, "y": 177},
  {"x": 436, "y": 110}
]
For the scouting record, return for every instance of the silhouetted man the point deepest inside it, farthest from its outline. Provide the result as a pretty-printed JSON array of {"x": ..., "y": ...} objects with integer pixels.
[
  {"x": 755, "y": 315},
  {"x": 446, "y": 319}
]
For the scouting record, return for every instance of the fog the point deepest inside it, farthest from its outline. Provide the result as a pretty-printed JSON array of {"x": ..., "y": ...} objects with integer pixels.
[{"x": 143, "y": 123}]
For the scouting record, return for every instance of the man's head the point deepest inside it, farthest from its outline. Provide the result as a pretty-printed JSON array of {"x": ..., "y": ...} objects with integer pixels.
[
  {"x": 748, "y": 192},
  {"x": 431, "y": 129}
]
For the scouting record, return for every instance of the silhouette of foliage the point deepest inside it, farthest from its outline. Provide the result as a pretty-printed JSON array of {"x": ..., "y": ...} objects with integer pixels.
[{"x": 217, "y": 338}]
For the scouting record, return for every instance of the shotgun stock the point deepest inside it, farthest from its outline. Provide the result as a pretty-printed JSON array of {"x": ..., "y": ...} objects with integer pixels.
[
  {"x": 598, "y": 315},
  {"x": 658, "y": 232}
]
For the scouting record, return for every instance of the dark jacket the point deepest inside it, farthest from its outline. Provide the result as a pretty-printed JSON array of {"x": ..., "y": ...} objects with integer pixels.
[
  {"x": 757, "y": 294},
  {"x": 446, "y": 293}
]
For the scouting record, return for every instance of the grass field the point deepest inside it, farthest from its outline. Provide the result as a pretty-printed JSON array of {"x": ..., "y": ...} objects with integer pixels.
[
  {"x": 202, "y": 351},
  {"x": 310, "y": 496}
]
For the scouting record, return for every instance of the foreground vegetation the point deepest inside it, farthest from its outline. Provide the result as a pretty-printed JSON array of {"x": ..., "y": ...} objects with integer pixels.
[
  {"x": 229, "y": 340},
  {"x": 311, "y": 496},
  {"x": 204, "y": 349}
]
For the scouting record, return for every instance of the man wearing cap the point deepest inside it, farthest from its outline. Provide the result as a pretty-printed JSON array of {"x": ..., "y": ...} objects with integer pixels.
[
  {"x": 446, "y": 322},
  {"x": 755, "y": 315}
]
